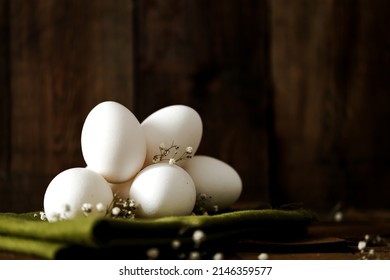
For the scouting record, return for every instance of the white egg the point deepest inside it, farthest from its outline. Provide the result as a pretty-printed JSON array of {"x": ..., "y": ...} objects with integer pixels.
[
  {"x": 216, "y": 179},
  {"x": 121, "y": 189},
  {"x": 163, "y": 190},
  {"x": 177, "y": 124},
  {"x": 71, "y": 189},
  {"x": 112, "y": 142}
]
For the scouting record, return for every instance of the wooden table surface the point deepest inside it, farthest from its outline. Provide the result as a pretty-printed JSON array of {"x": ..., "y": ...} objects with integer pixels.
[
  {"x": 326, "y": 240},
  {"x": 332, "y": 240}
]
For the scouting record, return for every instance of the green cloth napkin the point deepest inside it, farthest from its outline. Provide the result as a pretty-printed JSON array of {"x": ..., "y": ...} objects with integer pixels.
[{"x": 109, "y": 238}]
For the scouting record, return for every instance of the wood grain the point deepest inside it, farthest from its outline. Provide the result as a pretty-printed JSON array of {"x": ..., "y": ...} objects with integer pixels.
[
  {"x": 65, "y": 57},
  {"x": 211, "y": 56},
  {"x": 293, "y": 94},
  {"x": 5, "y": 95},
  {"x": 331, "y": 101}
]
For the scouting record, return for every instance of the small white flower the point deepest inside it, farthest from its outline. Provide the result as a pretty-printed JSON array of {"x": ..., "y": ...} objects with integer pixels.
[
  {"x": 198, "y": 236},
  {"x": 130, "y": 214},
  {"x": 100, "y": 207},
  {"x": 338, "y": 216},
  {"x": 176, "y": 244},
  {"x": 218, "y": 256},
  {"x": 164, "y": 152},
  {"x": 194, "y": 255},
  {"x": 86, "y": 208},
  {"x": 132, "y": 203},
  {"x": 263, "y": 256},
  {"x": 155, "y": 160},
  {"x": 42, "y": 216},
  {"x": 362, "y": 245},
  {"x": 153, "y": 253},
  {"x": 115, "y": 211}
]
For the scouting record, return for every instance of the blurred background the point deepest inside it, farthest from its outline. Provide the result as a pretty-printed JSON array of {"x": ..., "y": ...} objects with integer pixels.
[{"x": 293, "y": 94}]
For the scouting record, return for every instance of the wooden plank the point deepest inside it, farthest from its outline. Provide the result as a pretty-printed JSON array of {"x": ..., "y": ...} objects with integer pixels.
[
  {"x": 298, "y": 71},
  {"x": 212, "y": 56},
  {"x": 66, "y": 56},
  {"x": 366, "y": 126},
  {"x": 5, "y": 101},
  {"x": 328, "y": 141},
  {"x": 5, "y": 96},
  {"x": 331, "y": 102}
]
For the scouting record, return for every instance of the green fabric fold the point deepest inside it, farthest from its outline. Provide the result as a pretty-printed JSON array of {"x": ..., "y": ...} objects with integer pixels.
[{"x": 109, "y": 238}]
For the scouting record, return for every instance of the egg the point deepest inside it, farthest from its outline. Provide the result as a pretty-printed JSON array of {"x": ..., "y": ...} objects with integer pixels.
[
  {"x": 112, "y": 142},
  {"x": 163, "y": 190},
  {"x": 177, "y": 124},
  {"x": 71, "y": 189},
  {"x": 121, "y": 189},
  {"x": 218, "y": 181}
]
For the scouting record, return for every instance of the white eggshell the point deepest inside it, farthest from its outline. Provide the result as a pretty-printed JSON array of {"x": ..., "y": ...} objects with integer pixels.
[
  {"x": 163, "y": 190},
  {"x": 121, "y": 189},
  {"x": 112, "y": 142},
  {"x": 178, "y": 124},
  {"x": 69, "y": 190},
  {"x": 219, "y": 181}
]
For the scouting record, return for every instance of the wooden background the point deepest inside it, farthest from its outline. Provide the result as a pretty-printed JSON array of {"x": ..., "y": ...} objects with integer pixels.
[{"x": 294, "y": 94}]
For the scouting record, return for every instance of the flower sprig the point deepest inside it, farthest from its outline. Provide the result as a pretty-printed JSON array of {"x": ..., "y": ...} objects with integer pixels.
[
  {"x": 123, "y": 208},
  {"x": 119, "y": 208},
  {"x": 166, "y": 152},
  {"x": 202, "y": 205}
]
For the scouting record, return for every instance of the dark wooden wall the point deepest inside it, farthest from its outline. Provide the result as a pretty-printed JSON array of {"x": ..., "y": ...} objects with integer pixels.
[
  {"x": 293, "y": 94},
  {"x": 59, "y": 59},
  {"x": 330, "y": 67},
  {"x": 212, "y": 56}
]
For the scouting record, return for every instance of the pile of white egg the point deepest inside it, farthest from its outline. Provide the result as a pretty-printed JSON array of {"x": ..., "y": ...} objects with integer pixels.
[{"x": 119, "y": 151}]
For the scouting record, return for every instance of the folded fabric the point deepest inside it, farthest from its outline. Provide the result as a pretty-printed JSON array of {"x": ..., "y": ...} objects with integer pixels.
[{"x": 170, "y": 237}]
